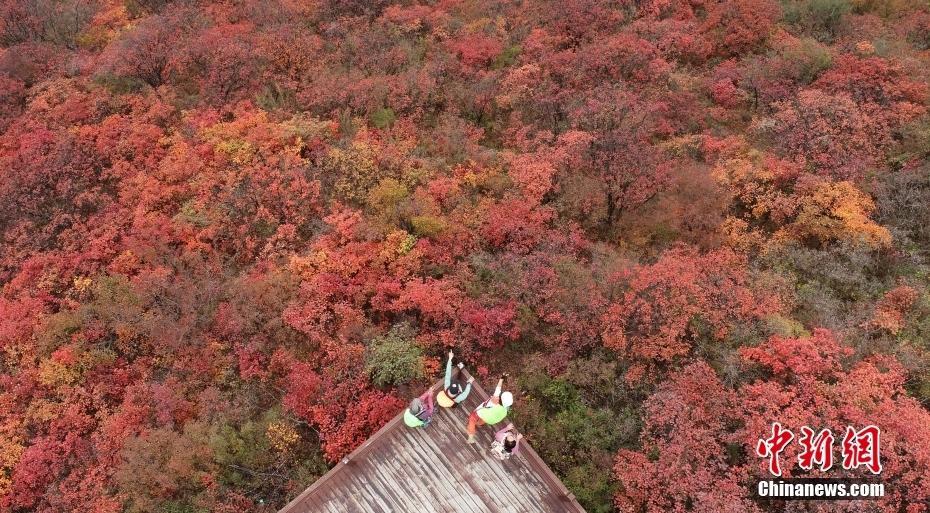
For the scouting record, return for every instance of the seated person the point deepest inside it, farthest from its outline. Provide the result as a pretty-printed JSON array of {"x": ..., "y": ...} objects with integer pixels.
[
  {"x": 506, "y": 442},
  {"x": 420, "y": 411}
]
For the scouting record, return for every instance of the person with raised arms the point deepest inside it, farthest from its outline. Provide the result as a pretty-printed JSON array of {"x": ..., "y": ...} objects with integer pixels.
[
  {"x": 491, "y": 411},
  {"x": 453, "y": 393}
]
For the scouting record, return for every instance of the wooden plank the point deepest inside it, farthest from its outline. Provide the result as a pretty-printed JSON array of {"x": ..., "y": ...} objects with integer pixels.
[
  {"x": 433, "y": 469},
  {"x": 441, "y": 471}
]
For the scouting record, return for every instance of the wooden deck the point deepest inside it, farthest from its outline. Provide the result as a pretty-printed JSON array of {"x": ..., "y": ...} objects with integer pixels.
[{"x": 434, "y": 470}]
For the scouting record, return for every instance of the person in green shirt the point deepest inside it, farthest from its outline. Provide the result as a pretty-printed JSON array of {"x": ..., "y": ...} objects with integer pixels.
[{"x": 491, "y": 411}]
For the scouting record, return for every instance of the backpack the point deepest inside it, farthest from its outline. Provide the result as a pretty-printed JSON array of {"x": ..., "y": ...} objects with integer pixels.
[{"x": 417, "y": 409}]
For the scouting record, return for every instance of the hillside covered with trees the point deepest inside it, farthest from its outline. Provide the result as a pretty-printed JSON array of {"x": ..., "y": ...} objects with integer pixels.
[{"x": 236, "y": 237}]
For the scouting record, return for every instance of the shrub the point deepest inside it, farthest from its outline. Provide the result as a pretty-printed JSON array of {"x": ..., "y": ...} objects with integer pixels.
[
  {"x": 394, "y": 358},
  {"x": 576, "y": 439},
  {"x": 382, "y": 118},
  {"x": 819, "y": 18},
  {"x": 427, "y": 226}
]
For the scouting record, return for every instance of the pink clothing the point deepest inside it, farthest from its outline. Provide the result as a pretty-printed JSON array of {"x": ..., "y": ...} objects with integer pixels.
[
  {"x": 502, "y": 434},
  {"x": 427, "y": 400}
]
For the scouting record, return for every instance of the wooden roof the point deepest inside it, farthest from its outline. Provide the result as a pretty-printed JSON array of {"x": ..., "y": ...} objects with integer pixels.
[{"x": 405, "y": 470}]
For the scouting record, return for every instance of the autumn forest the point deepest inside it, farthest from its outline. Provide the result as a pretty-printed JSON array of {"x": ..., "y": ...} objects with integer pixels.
[{"x": 236, "y": 237}]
